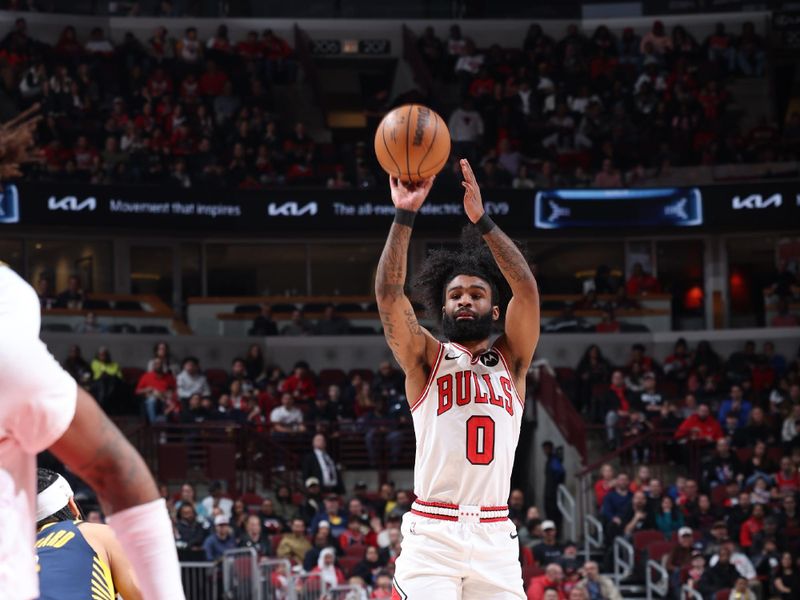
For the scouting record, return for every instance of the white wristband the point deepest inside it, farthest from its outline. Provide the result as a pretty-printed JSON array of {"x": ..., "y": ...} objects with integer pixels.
[{"x": 145, "y": 533}]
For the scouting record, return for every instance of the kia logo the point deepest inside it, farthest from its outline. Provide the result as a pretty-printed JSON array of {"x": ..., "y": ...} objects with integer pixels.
[
  {"x": 72, "y": 204},
  {"x": 756, "y": 201},
  {"x": 291, "y": 209}
]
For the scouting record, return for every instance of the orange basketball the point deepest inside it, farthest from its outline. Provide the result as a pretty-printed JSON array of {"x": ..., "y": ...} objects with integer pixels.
[{"x": 412, "y": 143}]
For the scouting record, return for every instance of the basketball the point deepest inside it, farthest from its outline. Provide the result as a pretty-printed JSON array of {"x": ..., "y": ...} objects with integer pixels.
[{"x": 412, "y": 143}]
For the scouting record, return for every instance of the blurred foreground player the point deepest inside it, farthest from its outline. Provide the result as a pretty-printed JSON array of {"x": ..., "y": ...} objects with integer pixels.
[
  {"x": 466, "y": 399},
  {"x": 42, "y": 407},
  {"x": 76, "y": 559}
]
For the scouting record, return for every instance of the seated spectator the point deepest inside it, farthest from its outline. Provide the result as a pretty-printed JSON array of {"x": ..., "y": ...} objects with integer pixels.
[
  {"x": 333, "y": 514},
  {"x": 73, "y": 297},
  {"x": 188, "y": 496},
  {"x": 649, "y": 399},
  {"x": 322, "y": 414},
  {"x": 47, "y": 299},
  {"x": 294, "y": 545},
  {"x": 609, "y": 323},
  {"x": 300, "y": 384},
  {"x": 618, "y": 405},
  {"x": 759, "y": 428},
  {"x": 700, "y": 426},
  {"x": 161, "y": 351},
  {"x": 191, "y": 381},
  {"x": 786, "y": 583},
  {"x": 787, "y": 480},
  {"x": 382, "y": 588},
  {"x": 286, "y": 419},
  {"x": 220, "y": 540},
  {"x": 750, "y": 55},
  {"x": 723, "y": 467},
  {"x": 216, "y": 503},
  {"x": 720, "y": 575},
  {"x": 157, "y": 390},
  {"x": 676, "y": 365},
  {"x": 90, "y": 324},
  {"x": 255, "y": 537},
  {"x": 592, "y": 369},
  {"x": 551, "y": 580},
  {"x": 640, "y": 282},
  {"x": 319, "y": 465},
  {"x": 603, "y": 485},
  {"x": 190, "y": 534},
  {"x": 736, "y": 405},
  {"x": 271, "y": 522},
  {"x": 298, "y": 325},
  {"x": 597, "y": 586},
  {"x": 669, "y": 519},
  {"x": 615, "y": 506},
  {"x": 549, "y": 550},
  {"x": 637, "y": 515},
  {"x": 331, "y": 323},
  {"x": 80, "y": 370},
  {"x": 263, "y": 324},
  {"x": 356, "y": 532},
  {"x": 784, "y": 318},
  {"x": 106, "y": 376},
  {"x": 329, "y": 573}
]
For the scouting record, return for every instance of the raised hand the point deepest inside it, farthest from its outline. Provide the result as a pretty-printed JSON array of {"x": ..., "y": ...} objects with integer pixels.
[
  {"x": 17, "y": 145},
  {"x": 408, "y": 195},
  {"x": 473, "y": 203}
]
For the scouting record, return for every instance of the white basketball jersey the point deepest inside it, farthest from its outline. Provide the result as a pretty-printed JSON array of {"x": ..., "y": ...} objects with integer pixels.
[{"x": 467, "y": 423}]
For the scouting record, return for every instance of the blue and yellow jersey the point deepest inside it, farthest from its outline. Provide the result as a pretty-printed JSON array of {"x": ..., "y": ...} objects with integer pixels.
[{"x": 69, "y": 568}]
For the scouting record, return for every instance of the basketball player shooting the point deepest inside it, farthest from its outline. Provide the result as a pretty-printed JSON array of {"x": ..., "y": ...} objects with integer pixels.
[{"x": 466, "y": 398}]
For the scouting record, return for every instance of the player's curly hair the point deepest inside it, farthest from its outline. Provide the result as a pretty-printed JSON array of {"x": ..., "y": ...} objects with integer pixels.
[{"x": 441, "y": 266}]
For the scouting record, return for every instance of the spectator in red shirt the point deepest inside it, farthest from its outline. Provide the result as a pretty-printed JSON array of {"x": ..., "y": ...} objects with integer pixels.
[
  {"x": 787, "y": 480},
  {"x": 604, "y": 485},
  {"x": 700, "y": 426},
  {"x": 641, "y": 282},
  {"x": 212, "y": 82},
  {"x": 618, "y": 405},
  {"x": 157, "y": 388},
  {"x": 752, "y": 526},
  {"x": 784, "y": 318},
  {"x": 609, "y": 324},
  {"x": 552, "y": 578},
  {"x": 300, "y": 383},
  {"x": 353, "y": 536},
  {"x": 249, "y": 48}
]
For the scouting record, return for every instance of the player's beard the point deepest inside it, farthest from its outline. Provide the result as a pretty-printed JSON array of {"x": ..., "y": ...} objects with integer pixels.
[{"x": 467, "y": 330}]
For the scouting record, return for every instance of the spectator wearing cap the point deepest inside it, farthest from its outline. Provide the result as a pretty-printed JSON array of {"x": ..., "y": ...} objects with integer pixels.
[
  {"x": 681, "y": 555},
  {"x": 220, "y": 540},
  {"x": 549, "y": 550},
  {"x": 597, "y": 586},
  {"x": 331, "y": 513},
  {"x": 319, "y": 464},
  {"x": 313, "y": 500},
  {"x": 294, "y": 545}
]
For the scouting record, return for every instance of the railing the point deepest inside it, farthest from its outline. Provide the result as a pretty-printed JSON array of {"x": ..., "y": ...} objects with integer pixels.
[
  {"x": 275, "y": 575},
  {"x": 592, "y": 535},
  {"x": 345, "y": 592},
  {"x": 569, "y": 422},
  {"x": 200, "y": 580},
  {"x": 688, "y": 593},
  {"x": 307, "y": 586},
  {"x": 656, "y": 585},
  {"x": 624, "y": 559},
  {"x": 240, "y": 574},
  {"x": 566, "y": 506}
]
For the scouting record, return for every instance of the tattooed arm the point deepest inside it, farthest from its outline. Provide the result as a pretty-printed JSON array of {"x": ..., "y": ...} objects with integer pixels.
[
  {"x": 95, "y": 450},
  {"x": 522, "y": 314},
  {"x": 413, "y": 346}
]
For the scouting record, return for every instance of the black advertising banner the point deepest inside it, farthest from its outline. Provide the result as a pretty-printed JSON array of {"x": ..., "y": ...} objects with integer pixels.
[
  {"x": 742, "y": 207},
  {"x": 272, "y": 211}
]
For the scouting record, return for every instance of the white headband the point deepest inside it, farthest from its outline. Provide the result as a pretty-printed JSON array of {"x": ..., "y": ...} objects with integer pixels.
[{"x": 53, "y": 498}]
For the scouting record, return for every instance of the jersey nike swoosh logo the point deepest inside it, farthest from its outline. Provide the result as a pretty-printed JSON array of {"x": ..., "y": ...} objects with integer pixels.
[
  {"x": 448, "y": 357},
  {"x": 513, "y": 535}
]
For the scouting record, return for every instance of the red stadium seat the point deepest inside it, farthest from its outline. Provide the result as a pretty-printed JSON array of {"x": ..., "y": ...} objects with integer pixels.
[
  {"x": 356, "y": 550},
  {"x": 217, "y": 377},
  {"x": 526, "y": 556},
  {"x": 718, "y": 496},
  {"x": 657, "y": 550},
  {"x": 642, "y": 539},
  {"x": 251, "y": 500},
  {"x": 366, "y": 374},
  {"x": 348, "y": 563},
  {"x": 132, "y": 374},
  {"x": 722, "y": 594},
  {"x": 332, "y": 377}
]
